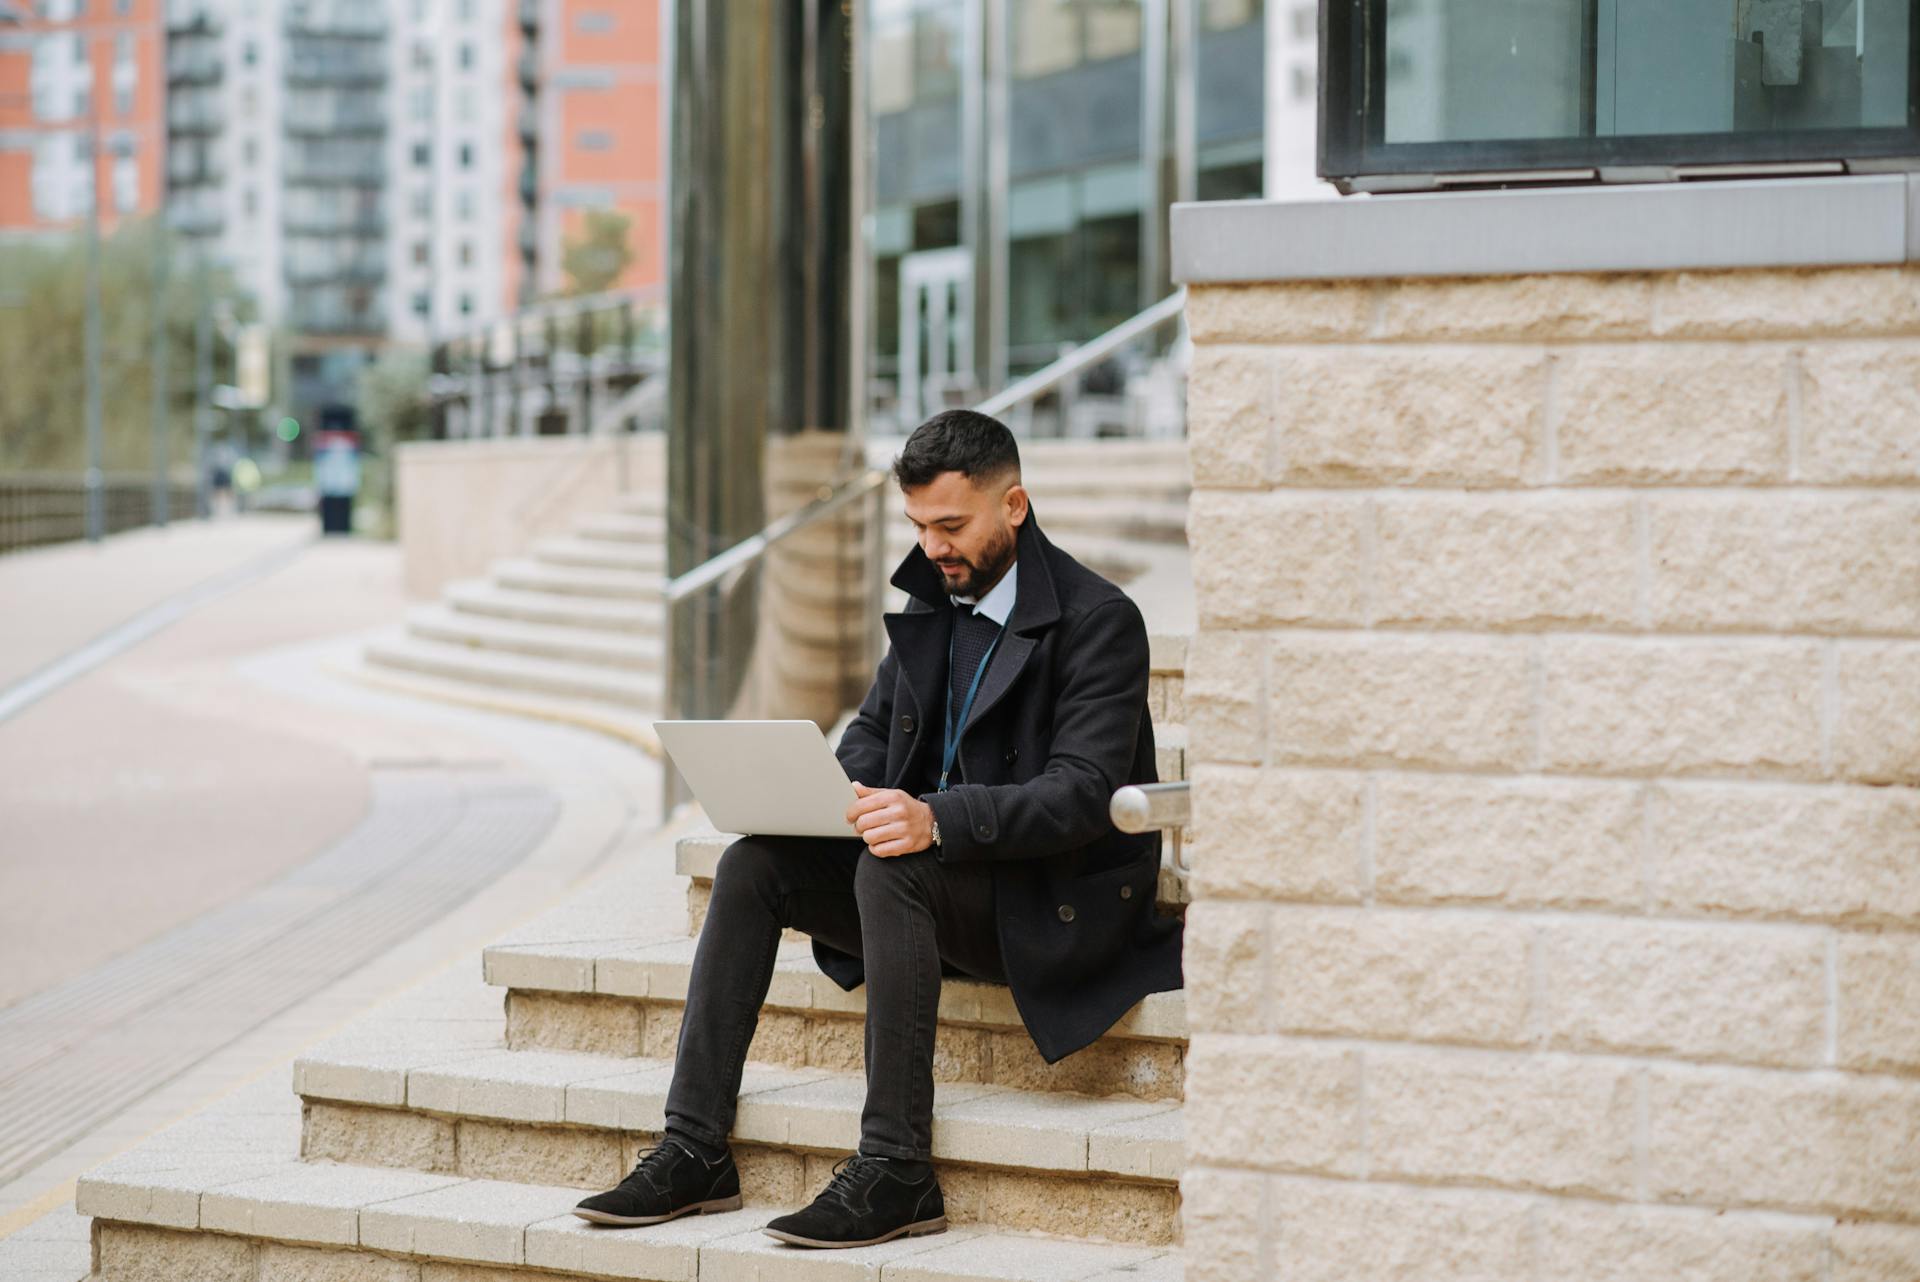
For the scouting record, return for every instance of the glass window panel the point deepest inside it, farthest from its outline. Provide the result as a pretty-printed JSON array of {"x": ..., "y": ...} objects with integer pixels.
[{"x": 1476, "y": 70}]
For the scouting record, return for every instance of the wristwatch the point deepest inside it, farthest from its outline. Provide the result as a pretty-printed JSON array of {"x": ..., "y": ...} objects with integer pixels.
[{"x": 936, "y": 832}]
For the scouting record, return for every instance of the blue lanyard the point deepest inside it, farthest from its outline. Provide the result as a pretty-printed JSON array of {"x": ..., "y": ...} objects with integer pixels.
[{"x": 951, "y": 748}]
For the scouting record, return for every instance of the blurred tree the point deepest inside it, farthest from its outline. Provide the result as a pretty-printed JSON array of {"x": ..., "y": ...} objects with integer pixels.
[
  {"x": 596, "y": 258},
  {"x": 394, "y": 408},
  {"x": 43, "y": 347}
]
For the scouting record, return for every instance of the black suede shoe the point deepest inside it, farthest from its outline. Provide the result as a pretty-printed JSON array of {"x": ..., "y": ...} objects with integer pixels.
[
  {"x": 868, "y": 1201},
  {"x": 670, "y": 1180}
]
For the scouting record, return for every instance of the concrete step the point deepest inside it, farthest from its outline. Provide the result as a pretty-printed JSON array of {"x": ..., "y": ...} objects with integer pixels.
[
  {"x": 229, "y": 1219},
  {"x": 539, "y": 640},
  {"x": 525, "y": 575},
  {"x": 476, "y": 597},
  {"x": 1119, "y": 514},
  {"x": 512, "y": 672},
  {"x": 602, "y": 554},
  {"x": 1104, "y": 1168},
  {"x": 624, "y": 527},
  {"x": 651, "y": 501},
  {"x": 610, "y": 998},
  {"x": 1153, "y": 485}
]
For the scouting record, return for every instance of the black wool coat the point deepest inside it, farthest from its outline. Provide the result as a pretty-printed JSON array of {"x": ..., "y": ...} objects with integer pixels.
[{"x": 1060, "y": 723}]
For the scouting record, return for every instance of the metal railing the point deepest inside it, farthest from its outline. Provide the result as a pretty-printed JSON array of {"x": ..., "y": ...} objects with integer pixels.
[
  {"x": 869, "y": 486},
  {"x": 1151, "y": 807},
  {"x": 41, "y": 508}
]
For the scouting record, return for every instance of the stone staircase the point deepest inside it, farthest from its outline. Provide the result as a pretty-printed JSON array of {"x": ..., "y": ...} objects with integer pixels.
[
  {"x": 571, "y": 630},
  {"x": 436, "y": 1142}
]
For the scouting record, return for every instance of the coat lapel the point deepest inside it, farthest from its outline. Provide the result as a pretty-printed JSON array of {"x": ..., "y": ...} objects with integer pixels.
[
  {"x": 920, "y": 636},
  {"x": 1035, "y": 609}
]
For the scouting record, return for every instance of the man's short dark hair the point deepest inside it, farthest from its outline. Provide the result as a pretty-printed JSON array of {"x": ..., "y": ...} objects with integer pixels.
[{"x": 978, "y": 447}]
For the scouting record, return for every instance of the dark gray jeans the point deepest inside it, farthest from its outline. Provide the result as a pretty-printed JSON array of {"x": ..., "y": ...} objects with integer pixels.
[{"x": 907, "y": 917}]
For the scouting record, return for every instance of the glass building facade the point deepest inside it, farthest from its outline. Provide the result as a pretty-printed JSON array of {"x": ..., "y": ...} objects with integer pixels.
[{"x": 1022, "y": 156}]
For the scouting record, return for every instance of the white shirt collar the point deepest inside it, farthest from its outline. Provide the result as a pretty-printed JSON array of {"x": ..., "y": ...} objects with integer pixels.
[{"x": 998, "y": 604}]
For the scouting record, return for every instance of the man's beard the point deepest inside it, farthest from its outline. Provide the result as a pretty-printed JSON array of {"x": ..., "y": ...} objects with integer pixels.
[{"x": 979, "y": 577}]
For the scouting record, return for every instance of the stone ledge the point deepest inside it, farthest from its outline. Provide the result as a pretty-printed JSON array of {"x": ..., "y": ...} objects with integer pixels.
[
  {"x": 526, "y": 1230},
  {"x": 659, "y": 973},
  {"x": 1783, "y": 222},
  {"x": 811, "y": 1109}
]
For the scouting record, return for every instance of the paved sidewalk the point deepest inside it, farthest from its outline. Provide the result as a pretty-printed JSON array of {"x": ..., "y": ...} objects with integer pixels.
[
  {"x": 217, "y": 760},
  {"x": 57, "y": 598}
]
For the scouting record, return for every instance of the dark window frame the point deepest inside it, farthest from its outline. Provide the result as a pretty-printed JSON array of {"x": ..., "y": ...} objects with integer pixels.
[{"x": 1351, "y": 147}]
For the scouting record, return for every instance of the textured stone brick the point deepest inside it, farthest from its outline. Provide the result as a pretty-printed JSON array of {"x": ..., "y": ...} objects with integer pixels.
[
  {"x": 1631, "y": 706},
  {"x": 1745, "y": 1137},
  {"x": 1799, "y": 562},
  {"x": 1876, "y": 733},
  {"x": 1279, "y": 834},
  {"x": 1111, "y": 1066},
  {"x": 1429, "y": 416},
  {"x": 1880, "y": 1001},
  {"x": 1230, "y": 408},
  {"x": 1280, "y": 311},
  {"x": 1369, "y": 699},
  {"x": 1222, "y": 1221},
  {"x": 1518, "y": 307},
  {"x": 127, "y": 1254},
  {"x": 1683, "y": 412},
  {"x": 585, "y": 1159},
  {"x": 1860, "y": 412},
  {"x": 1109, "y": 1210},
  {"x": 1334, "y": 1232},
  {"x": 1226, "y": 697},
  {"x": 1225, "y": 963},
  {"x": 1273, "y": 1103},
  {"x": 1753, "y": 994},
  {"x": 573, "y": 1022},
  {"x": 662, "y": 1029},
  {"x": 773, "y": 1177},
  {"x": 298, "y": 1264},
  {"x": 1525, "y": 843},
  {"x": 1823, "y": 854},
  {"x": 1876, "y": 1253},
  {"x": 378, "y": 1137},
  {"x": 1504, "y": 560},
  {"x": 1599, "y": 1243},
  {"x": 1404, "y": 975},
  {"x": 1263, "y": 559},
  {"x": 1788, "y": 303},
  {"x": 1539, "y": 1121}
]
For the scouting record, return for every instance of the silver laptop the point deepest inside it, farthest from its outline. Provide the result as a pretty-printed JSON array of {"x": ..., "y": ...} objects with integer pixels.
[{"x": 774, "y": 778}]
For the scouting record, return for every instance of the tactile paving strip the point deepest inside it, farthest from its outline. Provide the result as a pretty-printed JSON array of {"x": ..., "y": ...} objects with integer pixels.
[{"x": 74, "y": 1055}]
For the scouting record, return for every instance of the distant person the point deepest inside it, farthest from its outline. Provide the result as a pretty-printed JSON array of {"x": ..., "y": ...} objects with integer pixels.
[
  {"x": 220, "y": 478},
  {"x": 1011, "y": 705}
]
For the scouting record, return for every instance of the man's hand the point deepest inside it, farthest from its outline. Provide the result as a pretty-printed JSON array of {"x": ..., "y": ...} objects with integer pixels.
[{"x": 890, "y": 821}]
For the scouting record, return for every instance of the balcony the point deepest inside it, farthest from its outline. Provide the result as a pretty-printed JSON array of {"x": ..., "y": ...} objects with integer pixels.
[
  {"x": 310, "y": 275},
  {"x": 196, "y": 222},
  {"x": 340, "y": 226},
  {"x": 530, "y": 18},
  {"x": 195, "y": 68}
]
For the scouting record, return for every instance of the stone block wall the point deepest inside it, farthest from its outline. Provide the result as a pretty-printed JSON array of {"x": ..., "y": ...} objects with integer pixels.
[{"x": 1554, "y": 720}]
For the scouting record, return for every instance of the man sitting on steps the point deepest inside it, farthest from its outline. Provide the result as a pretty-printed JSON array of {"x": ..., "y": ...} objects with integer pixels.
[{"x": 1010, "y": 706}]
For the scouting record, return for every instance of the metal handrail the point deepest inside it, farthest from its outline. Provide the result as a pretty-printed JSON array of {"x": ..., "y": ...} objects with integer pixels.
[
  {"x": 1042, "y": 380},
  {"x": 1049, "y": 376},
  {"x": 1150, "y": 807},
  {"x": 754, "y": 546}
]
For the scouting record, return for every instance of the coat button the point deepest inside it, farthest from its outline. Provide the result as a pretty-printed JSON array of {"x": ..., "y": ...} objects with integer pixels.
[
  {"x": 906, "y": 725},
  {"x": 1126, "y": 892},
  {"x": 1013, "y": 755},
  {"x": 1066, "y": 912},
  {"x": 984, "y": 833}
]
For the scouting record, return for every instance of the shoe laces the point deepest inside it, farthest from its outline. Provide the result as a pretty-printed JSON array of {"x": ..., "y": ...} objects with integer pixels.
[
  {"x": 850, "y": 1174},
  {"x": 652, "y": 1159}
]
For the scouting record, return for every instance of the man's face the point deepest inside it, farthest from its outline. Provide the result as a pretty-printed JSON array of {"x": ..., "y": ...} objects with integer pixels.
[{"x": 968, "y": 531}]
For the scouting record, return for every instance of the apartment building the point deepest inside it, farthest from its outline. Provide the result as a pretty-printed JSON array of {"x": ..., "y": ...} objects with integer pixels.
[{"x": 69, "y": 68}]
